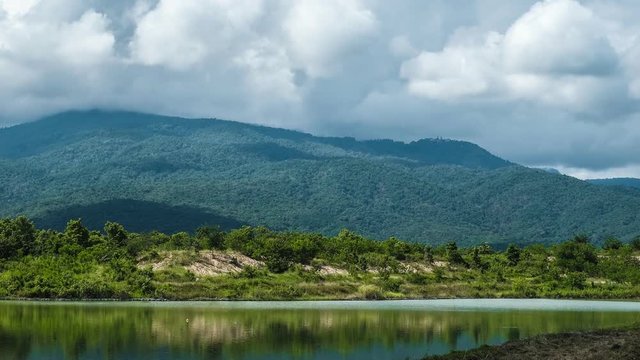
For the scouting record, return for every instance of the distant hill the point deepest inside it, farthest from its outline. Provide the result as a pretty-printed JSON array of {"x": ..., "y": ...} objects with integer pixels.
[
  {"x": 626, "y": 182},
  {"x": 154, "y": 172}
]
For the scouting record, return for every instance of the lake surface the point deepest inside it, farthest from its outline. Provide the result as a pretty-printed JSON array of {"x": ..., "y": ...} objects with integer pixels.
[{"x": 288, "y": 330}]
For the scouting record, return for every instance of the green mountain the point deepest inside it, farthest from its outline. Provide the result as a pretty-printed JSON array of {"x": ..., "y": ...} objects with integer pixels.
[
  {"x": 165, "y": 173},
  {"x": 626, "y": 182}
]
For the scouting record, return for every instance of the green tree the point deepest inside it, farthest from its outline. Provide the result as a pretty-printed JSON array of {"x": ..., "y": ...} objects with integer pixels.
[
  {"x": 428, "y": 254},
  {"x": 513, "y": 255},
  {"x": 612, "y": 244},
  {"x": 278, "y": 255},
  {"x": 76, "y": 233},
  {"x": 476, "y": 260},
  {"x": 453, "y": 254},
  {"x": 576, "y": 255},
  {"x": 211, "y": 237},
  {"x": 8, "y": 244},
  {"x": 116, "y": 234},
  {"x": 17, "y": 237},
  {"x": 396, "y": 248}
]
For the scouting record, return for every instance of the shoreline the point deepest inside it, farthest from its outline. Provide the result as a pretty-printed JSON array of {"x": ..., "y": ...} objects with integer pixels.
[
  {"x": 614, "y": 343},
  {"x": 89, "y": 300}
]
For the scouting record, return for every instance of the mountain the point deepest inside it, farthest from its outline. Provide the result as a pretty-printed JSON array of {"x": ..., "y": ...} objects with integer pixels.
[
  {"x": 626, "y": 182},
  {"x": 153, "y": 172}
]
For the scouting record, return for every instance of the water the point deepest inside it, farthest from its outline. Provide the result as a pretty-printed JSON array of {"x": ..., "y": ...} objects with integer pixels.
[{"x": 288, "y": 330}]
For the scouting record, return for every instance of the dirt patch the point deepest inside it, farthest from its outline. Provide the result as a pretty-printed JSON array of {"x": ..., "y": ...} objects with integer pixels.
[
  {"x": 203, "y": 263},
  {"x": 327, "y": 270},
  {"x": 602, "y": 344}
]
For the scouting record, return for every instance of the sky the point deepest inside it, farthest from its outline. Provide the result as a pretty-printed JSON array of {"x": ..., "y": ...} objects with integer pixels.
[{"x": 552, "y": 83}]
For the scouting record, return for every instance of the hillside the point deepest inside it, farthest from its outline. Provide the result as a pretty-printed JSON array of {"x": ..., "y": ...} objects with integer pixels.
[
  {"x": 151, "y": 172},
  {"x": 626, "y": 182}
]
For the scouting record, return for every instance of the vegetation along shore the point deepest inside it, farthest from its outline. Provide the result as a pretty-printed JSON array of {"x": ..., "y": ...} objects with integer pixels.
[{"x": 255, "y": 263}]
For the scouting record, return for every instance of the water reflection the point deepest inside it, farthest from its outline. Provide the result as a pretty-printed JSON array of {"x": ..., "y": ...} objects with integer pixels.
[{"x": 105, "y": 331}]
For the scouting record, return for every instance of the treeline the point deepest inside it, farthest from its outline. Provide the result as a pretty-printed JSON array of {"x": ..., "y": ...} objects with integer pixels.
[{"x": 79, "y": 263}]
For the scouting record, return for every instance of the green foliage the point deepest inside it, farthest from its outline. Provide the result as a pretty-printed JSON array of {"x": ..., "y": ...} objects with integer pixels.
[
  {"x": 513, "y": 255},
  {"x": 278, "y": 255},
  {"x": 453, "y": 254},
  {"x": 76, "y": 233},
  {"x": 211, "y": 237},
  {"x": 576, "y": 280},
  {"x": 612, "y": 244},
  {"x": 17, "y": 237},
  {"x": 119, "y": 264},
  {"x": 116, "y": 234},
  {"x": 577, "y": 255},
  {"x": 160, "y": 173}
]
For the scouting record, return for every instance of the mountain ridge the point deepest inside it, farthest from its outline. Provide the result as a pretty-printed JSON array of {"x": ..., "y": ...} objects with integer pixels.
[
  {"x": 624, "y": 182},
  {"x": 218, "y": 171}
]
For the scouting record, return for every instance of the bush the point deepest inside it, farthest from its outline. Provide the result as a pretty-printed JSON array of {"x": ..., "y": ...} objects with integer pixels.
[
  {"x": 612, "y": 244},
  {"x": 417, "y": 278},
  {"x": 371, "y": 292},
  {"x": 575, "y": 280}
]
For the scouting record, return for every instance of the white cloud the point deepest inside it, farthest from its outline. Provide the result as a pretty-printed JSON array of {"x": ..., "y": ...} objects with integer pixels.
[
  {"x": 559, "y": 37},
  {"x": 268, "y": 70},
  {"x": 86, "y": 41},
  {"x": 558, "y": 53},
  {"x": 321, "y": 32},
  {"x": 182, "y": 33},
  {"x": 457, "y": 71}
]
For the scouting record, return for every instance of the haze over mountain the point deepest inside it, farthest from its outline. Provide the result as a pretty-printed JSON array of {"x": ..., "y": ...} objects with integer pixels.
[{"x": 152, "y": 172}]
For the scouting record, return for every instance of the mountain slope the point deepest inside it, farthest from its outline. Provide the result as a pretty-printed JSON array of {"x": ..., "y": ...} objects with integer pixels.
[
  {"x": 626, "y": 182},
  {"x": 153, "y": 172}
]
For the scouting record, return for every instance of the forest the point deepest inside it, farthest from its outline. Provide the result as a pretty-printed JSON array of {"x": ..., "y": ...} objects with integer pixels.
[
  {"x": 150, "y": 172},
  {"x": 263, "y": 264}
]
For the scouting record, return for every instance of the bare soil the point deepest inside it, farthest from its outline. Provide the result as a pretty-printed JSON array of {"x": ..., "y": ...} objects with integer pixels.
[{"x": 204, "y": 263}]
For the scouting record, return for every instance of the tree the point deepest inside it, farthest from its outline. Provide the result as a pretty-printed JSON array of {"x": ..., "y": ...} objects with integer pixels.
[
  {"x": 396, "y": 248},
  {"x": 116, "y": 234},
  {"x": 76, "y": 233},
  {"x": 17, "y": 237},
  {"x": 513, "y": 255},
  {"x": 428, "y": 254},
  {"x": 453, "y": 255},
  {"x": 576, "y": 255},
  {"x": 635, "y": 243},
  {"x": 211, "y": 237},
  {"x": 612, "y": 244},
  {"x": 8, "y": 243},
  {"x": 581, "y": 239},
  {"x": 278, "y": 255},
  {"x": 304, "y": 248},
  {"x": 477, "y": 260}
]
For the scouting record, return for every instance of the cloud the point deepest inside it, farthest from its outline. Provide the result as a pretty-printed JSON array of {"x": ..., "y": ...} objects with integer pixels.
[
  {"x": 548, "y": 83},
  {"x": 460, "y": 70},
  {"x": 557, "y": 53},
  {"x": 182, "y": 33},
  {"x": 320, "y": 32}
]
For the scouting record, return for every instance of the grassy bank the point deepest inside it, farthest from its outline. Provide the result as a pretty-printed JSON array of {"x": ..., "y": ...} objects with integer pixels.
[
  {"x": 601, "y": 344},
  {"x": 260, "y": 264}
]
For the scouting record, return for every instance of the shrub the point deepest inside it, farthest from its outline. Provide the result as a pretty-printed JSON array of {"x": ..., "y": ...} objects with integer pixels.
[{"x": 371, "y": 292}]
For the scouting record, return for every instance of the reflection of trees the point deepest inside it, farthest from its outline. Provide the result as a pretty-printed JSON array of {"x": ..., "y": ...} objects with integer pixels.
[
  {"x": 210, "y": 333},
  {"x": 14, "y": 347}
]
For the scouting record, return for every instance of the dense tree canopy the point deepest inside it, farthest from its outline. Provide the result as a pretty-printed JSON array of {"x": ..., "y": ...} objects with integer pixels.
[{"x": 158, "y": 173}]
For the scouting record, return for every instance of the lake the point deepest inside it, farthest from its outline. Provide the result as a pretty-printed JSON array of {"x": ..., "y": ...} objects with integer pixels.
[{"x": 288, "y": 330}]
